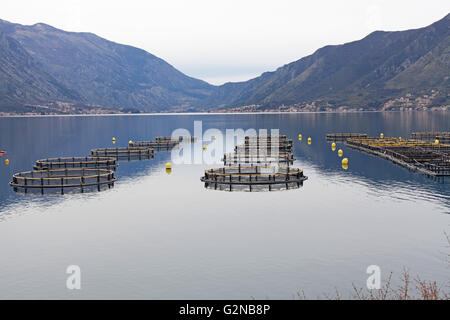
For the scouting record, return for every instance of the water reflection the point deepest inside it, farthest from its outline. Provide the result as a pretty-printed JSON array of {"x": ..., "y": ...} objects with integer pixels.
[
  {"x": 418, "y": 189},
  {"x": 279, "y": 186},
  {"x": 75, "y": 136},
  {"x": 159, "y": 235}
]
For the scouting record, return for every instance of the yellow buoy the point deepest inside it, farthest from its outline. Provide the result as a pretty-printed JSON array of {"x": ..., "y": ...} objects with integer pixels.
[
  {"x": 168, "y": 171},
  {"x": 113, "y": 139},
  {"x": 309, "y": 140},
  {"x": 333, "y": 148},
  {"x": 6, "y": 161},
  {"x": 300, "y": 137},
  {"x": 168, "y": 165},
  {"x": 333, "y": 145},
  {"x": 340, "y": 152},
  {"x": 345, "y": 166},
  {"x": 204, "y": 147},
  {"x": 381, "y": 135},
  {"x": 345, "y": 162},
  {"x": 130, "y": 142},
  {"x": 436, "y": 141}
]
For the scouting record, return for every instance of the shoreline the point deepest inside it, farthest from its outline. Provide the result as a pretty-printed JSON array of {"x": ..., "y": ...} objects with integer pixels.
[{"x": 215, "y": 113}]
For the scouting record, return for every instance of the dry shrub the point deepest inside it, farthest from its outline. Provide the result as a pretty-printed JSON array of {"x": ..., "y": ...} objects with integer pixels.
[{"x": 408, "y": 289}]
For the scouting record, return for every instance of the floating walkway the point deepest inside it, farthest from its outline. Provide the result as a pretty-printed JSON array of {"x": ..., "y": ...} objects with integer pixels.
[
  {"x": 421, "y": 156},
  {"x": 442, "y": 137},
  {"x": 63, "y": 181},
  {"x": 76, "y": 162}
]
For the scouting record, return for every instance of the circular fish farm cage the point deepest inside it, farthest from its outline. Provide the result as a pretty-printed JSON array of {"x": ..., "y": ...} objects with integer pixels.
[
  {"x": 266, "y": 137},
  {"x": 258, "y": 158},
  {"x": 263, "y": 148},
  {"x": 254, "y": 178},
  {"x": 134, "y": 153},
  {"x": 76, "y": 162},
  {"x": 262, "y": 153},
  {"x": 63, "y": 181},
  {"x": 158, "y": 145},
  {"x": 176, "y": 138},
  {"x": 266, "y": 141}
]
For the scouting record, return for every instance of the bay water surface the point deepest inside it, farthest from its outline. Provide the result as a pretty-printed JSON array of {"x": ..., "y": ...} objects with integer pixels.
[{"x": 164, "y": 236}]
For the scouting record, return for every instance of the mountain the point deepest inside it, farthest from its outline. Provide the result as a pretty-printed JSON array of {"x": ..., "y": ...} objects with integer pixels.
[
  {"x": 23, "y": 82},
  {"x": 42, "y": 65},
  {"x": 105, "y": 73},
  {"x": 367, "y": 73}
]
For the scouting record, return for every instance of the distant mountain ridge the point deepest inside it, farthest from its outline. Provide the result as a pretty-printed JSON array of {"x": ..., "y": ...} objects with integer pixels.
[
  {"x": 22, "y": 81},
  {"x": 41, "y": 65},
  {"x": 368, "y": 72},
  {"x": 105, "y": 73}
]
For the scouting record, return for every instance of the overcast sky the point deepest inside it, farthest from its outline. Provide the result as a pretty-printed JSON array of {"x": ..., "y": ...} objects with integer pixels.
[{"x": 228, "y": 40}]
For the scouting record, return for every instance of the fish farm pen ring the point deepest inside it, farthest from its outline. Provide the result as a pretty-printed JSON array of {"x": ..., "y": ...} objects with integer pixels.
[
  {"x": 176, "y": 138},
  {"x": 76, "y": 162},
  {"x": 257, "y": 161},
  {"x": 258, "y": 139},
  {"x": 125, "y": 153},
  {"x": 163, "y": 142},
  {"x": 263, "y": 148},
  {"x": 257, "y": 158},
  {"x": 254, "y": 175},
  {"x": 266, "y": 137},
  {"x": 344, "y": 136},
  {"x": 166, "y": 144},
  {"x": 253, "y": 178},
  {"x": 259, "y": 154},
  {"x": 65, "y": 180}
]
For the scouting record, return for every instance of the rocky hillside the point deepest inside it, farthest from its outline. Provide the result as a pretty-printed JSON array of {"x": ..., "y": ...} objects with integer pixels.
[
  {"x": 364, "y": 73},
  {"x": 102, "y": 72},
  {"x": 42, "y": 65},
  {"x": 23, "y": 82}
]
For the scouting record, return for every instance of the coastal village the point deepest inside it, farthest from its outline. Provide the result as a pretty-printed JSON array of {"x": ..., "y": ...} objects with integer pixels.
[{"x": 408, "y": 102}]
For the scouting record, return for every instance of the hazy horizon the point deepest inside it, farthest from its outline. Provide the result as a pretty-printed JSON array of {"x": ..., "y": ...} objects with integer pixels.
[{"x": 228, "y": 41}]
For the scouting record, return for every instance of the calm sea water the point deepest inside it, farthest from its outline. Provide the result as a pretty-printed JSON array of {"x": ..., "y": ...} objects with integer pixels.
[{"x": 160, "y": 236}]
